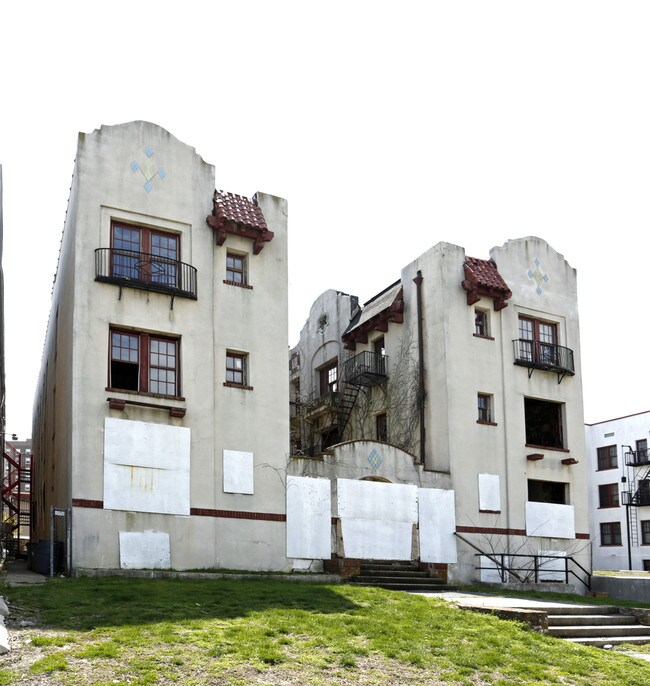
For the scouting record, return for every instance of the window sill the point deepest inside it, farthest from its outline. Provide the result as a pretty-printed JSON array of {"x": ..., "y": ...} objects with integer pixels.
[
  {"x": 230, "y": 384},
  {"x": 607, "y": 469},
  {"x": 611, "y": 545},
  {"x": 490, "y": 511},
  {"x": 481, "y": 421},
  {"x": 120, "y": 404},
  {"x": 547, "y": 447},
  {"x": 486, "y": 338},
  {"x": 238, "y": 285},
  {"x": 607, "y": 507}
]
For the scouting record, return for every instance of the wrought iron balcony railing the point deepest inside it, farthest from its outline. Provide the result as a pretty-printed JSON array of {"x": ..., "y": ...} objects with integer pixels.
[
  {"x": 546, "y": 356},
  {"x": 365, "y": 369},
  {"x": 145, "y": 271},
  {"x": 637, "y": 458}
]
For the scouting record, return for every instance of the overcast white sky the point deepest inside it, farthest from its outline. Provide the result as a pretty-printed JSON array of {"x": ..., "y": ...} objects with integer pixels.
[{"x": 387, "y": 126}]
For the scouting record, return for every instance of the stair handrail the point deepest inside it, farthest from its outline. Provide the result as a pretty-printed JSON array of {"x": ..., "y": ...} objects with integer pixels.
[{"x": 490, "y": 557}]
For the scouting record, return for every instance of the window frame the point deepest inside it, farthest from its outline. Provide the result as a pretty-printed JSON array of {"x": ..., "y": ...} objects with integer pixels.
[
  {"x": 485, "y": 408},
  {"x": 613, "y": 535},
  {"x": 608, "y": 496},
  {"x": 145, "y": 361},
  {"x": 538, "y": 340},
  {"x": 641, "y": 449},
  {"x": 607, "y": 460},
  {"x": 645, "y": 532},
  {"x": 328, "y": 378},
  {"x": 534, "y": 406},
  {"x": 241, "y": 372},
  {"x": 482, "y": 329},
  {"x": 143, "y": 271},
  {"x": 381, "y": 427},
  {"x": 233, "y": 270}
]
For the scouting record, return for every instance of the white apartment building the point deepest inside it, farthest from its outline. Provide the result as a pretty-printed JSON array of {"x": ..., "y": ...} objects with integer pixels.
[{"x": 619, "y": 492}]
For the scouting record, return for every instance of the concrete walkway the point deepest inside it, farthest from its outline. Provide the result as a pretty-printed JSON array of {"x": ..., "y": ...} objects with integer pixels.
[{"x": 18, "y": 574}]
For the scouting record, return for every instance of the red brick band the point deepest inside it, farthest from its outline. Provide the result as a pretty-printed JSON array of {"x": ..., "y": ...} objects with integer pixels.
[
  {"x": 93, "y": 504},
  {"x": 234, "y": 514}
]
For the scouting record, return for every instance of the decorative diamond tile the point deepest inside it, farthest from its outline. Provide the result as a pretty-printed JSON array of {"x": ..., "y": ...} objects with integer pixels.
[
  {"x": 538, "y": 276},
  {"x": 149, "y": 169},
  {"x": 375, "y": 460}
]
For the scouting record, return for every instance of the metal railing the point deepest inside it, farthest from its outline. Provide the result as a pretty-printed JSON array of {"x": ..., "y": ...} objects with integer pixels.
[
  {"x": 637, "y": 458},
  {"x": 365, "y": 369},
  {"x": 547, "y": 356},
  {"x": 639, "y": 498},
  {"x": 536, "y": 568},
  {"x": 145, "y": 271}
]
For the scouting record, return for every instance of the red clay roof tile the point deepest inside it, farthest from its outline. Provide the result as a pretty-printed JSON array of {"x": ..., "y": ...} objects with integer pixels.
[{"x": 230, "y": 207}]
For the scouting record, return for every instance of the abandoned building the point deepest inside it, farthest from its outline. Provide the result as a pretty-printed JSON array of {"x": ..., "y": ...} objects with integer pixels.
[{"x": 442, "y": 421}]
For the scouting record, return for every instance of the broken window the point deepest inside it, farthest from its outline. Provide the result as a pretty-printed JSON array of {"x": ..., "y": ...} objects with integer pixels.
[
  {"x": 544, "y": 423},
  {"x": 556, "y": 492}
]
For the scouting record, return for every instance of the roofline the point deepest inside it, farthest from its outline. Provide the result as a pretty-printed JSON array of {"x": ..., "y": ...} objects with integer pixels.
[
  {"x": 614, "y": 419},
  {"x": 374, "y": 297}
]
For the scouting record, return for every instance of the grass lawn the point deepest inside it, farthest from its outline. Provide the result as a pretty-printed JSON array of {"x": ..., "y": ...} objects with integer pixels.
[{"x": 120, "y": 631}]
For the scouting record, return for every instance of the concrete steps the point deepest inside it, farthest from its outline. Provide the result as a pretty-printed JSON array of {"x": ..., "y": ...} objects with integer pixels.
[
  {"x": 398, "y": 576},
  {"x": 596, "y": 625}
]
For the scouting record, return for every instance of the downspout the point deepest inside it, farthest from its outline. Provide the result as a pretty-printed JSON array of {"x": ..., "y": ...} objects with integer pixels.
[{"x": 421, "y": 391}]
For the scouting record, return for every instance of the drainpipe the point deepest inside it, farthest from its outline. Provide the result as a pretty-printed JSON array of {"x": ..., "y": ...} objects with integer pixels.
[{"x": 421, "y": 391}]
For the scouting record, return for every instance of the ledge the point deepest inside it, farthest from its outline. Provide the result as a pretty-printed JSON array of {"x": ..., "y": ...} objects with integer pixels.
[
  {"x": 242, "y": 387},
  {"x": 120, "y": 403}
]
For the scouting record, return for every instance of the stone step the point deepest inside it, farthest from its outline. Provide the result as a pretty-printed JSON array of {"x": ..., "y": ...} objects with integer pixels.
[
  {"x": 601, "y": 641},
  {"x": 581, "y": 610},
  {"x": 598, "y": 631},
  {"x": 410, "y": 573},
  {"x": 591, "y": 620},
  {"x": 398, "y": 578},
  {"x": 407, "y": 586}
]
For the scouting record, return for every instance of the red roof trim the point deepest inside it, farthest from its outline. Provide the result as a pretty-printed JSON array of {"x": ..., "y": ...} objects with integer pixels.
[
  {"x": 483, "y": 279},
  {"x": 392, "y": 313},
  {"x": 234, "y": 214}
]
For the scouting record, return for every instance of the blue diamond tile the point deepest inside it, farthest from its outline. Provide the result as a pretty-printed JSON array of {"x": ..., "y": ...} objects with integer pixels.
[
  {"x": 375, "y": 460},
  {"x": 134, "y": 166},
  {"x": 147, "y": 187},
  {"x": 149, "y": 151},
  {"x": 162, "y": 173}
]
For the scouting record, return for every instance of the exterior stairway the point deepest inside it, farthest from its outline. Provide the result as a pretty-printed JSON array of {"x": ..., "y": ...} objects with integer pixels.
[
  {"x": 398, "y": 576},
  {"x": 596, "y": 625}
]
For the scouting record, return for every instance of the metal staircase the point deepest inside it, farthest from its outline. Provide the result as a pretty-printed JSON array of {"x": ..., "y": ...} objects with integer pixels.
[{"x": 15, "y": 497}]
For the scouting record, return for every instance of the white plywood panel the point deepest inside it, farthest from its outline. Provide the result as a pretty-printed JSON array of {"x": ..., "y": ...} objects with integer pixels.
[
  {"x": 309, "y": 518},
  {"x": 238, "y": 472},
  {"x": 146, "y": 467},
  {"x": 376, "y": 539},
  {"x": 491, "y": 573},
  {"x": 377, "y": 501},
  {"x": 437, "y": 508},
  {"x": 144, "y": 550},
  {"x": 550, "y": 520},
  {"x": 552, "y": 568},
  {"x": 489, "y": 492}
]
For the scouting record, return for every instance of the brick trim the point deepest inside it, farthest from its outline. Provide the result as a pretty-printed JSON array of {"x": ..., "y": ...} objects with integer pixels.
[
  {"x": 584, "y": 537},
  {"x": 236, "y": 514},
  {"x": 490, "y": 530},
  {"x": 91, "y": 504}
]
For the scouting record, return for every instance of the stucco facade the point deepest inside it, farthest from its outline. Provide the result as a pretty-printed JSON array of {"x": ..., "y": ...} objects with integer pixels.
[
  {"x": 461, "y": 379},
  {"x": 165, "y": 349},
  {"x": 619, "y": 492}
]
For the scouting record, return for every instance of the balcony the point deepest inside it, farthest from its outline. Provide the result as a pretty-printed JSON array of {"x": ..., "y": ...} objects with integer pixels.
[
  {"x": 146, "y": 272},
  {"x": 637, "y": 458},
  {"x": 639, "y": 498},
  {"x": 321, "y": 405},
  {"x": 365, "y": 369},
  {"x": 545, "y": 356}
]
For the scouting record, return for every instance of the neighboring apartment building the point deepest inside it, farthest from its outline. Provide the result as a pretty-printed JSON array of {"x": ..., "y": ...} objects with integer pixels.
[
  {"x": 443, "y": 420},
  {"x": 619, "y": 492},
  {"x": 161, "y": 416}
]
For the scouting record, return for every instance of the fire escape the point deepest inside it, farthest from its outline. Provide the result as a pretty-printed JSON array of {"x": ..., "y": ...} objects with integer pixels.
[
  {"x": 16, "y": 498},
  {"x": 364, "y": 370},
  {"x": 638, "y": 484}
]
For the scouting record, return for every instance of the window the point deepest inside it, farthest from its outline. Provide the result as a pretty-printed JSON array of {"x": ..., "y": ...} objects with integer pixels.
[
  {"x": 484, "y": 403},
  {"x": 481, "y": 323},
  {"x": 144, "y": 254},
  {"x": 646, "y": 565},
  {"x": 607, "y": 457},
  {"x": 145, "y": 363},
  {"x": 538, "y": 341},
  {"x": 556, "y": 492},
  {"x": 543, "y": 423},
  {"x": 379, "y": 348},
  {"x": 236, "y": 369},
  {"x": 608, "y": 495},
  {"x": 645, "y": 532},
  {"x": 329, "y": 379},
  {"x": 610, "y": 533},
  {"x": 381, "y": 427},
  {"x": 642, "y": 450},
  {"x": 236, "y": 269}
]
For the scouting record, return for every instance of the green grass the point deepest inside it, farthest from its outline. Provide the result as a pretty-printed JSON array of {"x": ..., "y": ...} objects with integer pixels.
[{"x": 191, "y": 632}]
